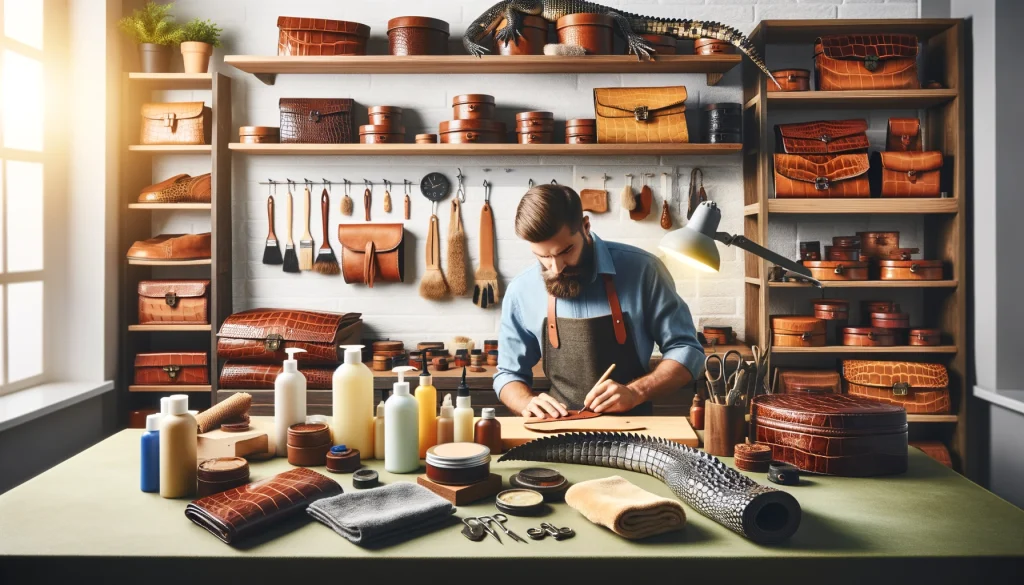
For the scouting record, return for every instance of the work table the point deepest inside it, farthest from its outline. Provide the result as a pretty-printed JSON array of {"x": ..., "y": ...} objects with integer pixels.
[{"x": 929, "y": 522}]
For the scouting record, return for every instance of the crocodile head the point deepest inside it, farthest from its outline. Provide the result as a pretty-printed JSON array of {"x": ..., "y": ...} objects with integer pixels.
[{"x": 483, "y": 26}]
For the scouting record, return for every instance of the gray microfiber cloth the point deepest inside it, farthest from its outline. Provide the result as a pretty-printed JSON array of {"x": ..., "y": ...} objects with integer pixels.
[{"x": 368, "y": 516}]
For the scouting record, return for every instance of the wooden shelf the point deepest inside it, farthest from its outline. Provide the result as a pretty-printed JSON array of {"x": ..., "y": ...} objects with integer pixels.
[
  {"x": 895, "y": 99},
  {"x": 486, "y": 149},
  {"x": 805, "y": 31},
  {"x": 932, "y": 418},
  {"x": 266, "y": 68},
  {"x": 155, "y": 81},
  {"x": 171, "y": 206},
  {"x": 833, "y": 206},
  {"x": 172, "y": 148},
  {"x": 203, "y": 262},
  {"x": 170, "y": 328},
  {"x": 752, "y": 209},
  {"x": 836, "y": 349},
  {"x": 752, "y": 280},
  {"x": 172, "y": 389},
  {"x": 871, "y": 284}
]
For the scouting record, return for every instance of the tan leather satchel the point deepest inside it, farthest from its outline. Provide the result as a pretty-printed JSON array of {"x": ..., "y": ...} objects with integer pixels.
[
  {"x": 165, "y": 302},
  {"x": 176, "y": 123},
  {"x": 641, "y": 115},
  {"x": 372, "y": 252},
  {"x": 919, "y": 388}
]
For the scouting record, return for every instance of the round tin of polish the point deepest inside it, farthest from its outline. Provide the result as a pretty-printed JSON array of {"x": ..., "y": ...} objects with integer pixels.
[
  {"x": 520, "y": 502},
  {"x": 458, "y": 463},
  {"x": 364, "y": 479},
  {"x": 548, "y": 482}
]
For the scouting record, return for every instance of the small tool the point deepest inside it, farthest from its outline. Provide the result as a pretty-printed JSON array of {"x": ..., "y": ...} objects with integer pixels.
[
  {"x": 500, "y": 520},
  {"x": 718, "y": 386},
  {"x": 551, "y": 530},
  {"x": 482, "y": 521},
  {"x": 601, "y": 380},
  {"x": 473, "y": 529}
]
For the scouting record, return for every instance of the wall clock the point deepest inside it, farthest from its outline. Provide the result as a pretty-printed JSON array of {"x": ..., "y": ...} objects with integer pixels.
[{"x": 435, "y": 187}]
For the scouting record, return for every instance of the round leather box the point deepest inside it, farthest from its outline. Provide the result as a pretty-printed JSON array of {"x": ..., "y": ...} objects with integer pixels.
[
  {"x": 221, "y": 474},
  {"x": 593, "y": 32},
  {"x": 377, "y": 134},
  {"x": 890, "y": 320},
  {"x": 535, "y": 119},
  {"x": 379, "y": 346},
  {"x": 878, "y": 244},
  {"x": 424, "y": 345},
  {"x": 791, "y": 80},
  {"x": 535, "y": 36},
  {"x": 536, "y": 137},
  {"x": 869, "y": 337},
  {"x": 868, "y": 307},
  {"x": 426, "y": 139},
  {"x": 831, "y": 309},
  {"x": 832, "y": 270},
  {"x": 385, "y": 115},
  {"x": 548, "y": 482},
  {"x": 434, "y": 352},
  {"x": 925, "y": 337},
  {"x": 712, "y": 47},
  {"x": 473, "y": 106},
  {"x": 717, "y": 335},
  {"x": 755, "y": 457},
  {"x": 846, "y": 242},
  {"x": 341, "y": 459},
  {"x": 910, "y": 269},
  {"x": 259, "y": 134},
  {"x": 382, "y": 363},
  {"x": 308, "y": 444},
  {"x": 797, "y": 331},
  {"x": 835, "y": 254},
  {"x": 471, "y": 131},
  {"x": 417, "y": 35}
]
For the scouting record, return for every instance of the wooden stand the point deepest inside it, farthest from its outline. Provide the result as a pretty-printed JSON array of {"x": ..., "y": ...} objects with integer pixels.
[
  {"x": 462, "y": 495},
  {"x": 724, "y": 427}
]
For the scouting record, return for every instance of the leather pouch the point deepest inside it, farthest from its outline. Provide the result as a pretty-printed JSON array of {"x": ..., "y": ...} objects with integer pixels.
[
  {"x": 824, "y": 176},
  {"x": 320, "y": 36},
  {"x": 261, "y": 335},
  {"x": 911, "y": 174},
  {"x": 903, "y": 135},
  {"x": 316, "y": 121},
  {"x": 176, "y": 123},
  {"x": 822, "y": 137},
  {"x": 167, "y": 302},
  {"x": 640, "y": 115},
  {"x": 812, "y": 381},
  {"x": 372, "y": 252},
  {"x": 595, "y": 200},
  {"x": 243, "y": 376},
  {"x": 858, "y": 62},
  {"x": 240, "y": 512},
  {"x": 919, "y": 388},
  {"x": 169, "y": 369}
]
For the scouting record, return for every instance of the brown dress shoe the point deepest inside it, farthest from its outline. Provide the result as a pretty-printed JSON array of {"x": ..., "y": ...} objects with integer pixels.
[
  {"x": 179, "y": 189},
  {"x": 172, "y": 247}
]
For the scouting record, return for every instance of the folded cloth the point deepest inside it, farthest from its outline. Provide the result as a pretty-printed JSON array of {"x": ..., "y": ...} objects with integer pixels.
[
  {"x": 367, "y": 516},
  {"x": 624, "y": 508}
]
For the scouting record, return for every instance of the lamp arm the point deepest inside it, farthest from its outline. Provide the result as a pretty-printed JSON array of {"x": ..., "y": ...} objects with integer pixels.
[{"x": 743, "y": 243}]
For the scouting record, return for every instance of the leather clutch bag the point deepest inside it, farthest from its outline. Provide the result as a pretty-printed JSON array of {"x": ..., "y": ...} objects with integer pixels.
[
  {"x": 316, "y": 120},
  {"x": 244, "y": 376},
  {"x": 910, "y": 174},
  {"x": 824, "y": 176},
  {"x": 240, "y": 512},
  {"x": 172, "y": 368},
  {"x": 822, "y": 137},
  {"x": 872, "y": 61},
  {"x": 903, "y": 135},
  {"x": 173, "y": 302},
  {"x": 261, "y": 335},
  {"x": 176, "y": 123},
  {"x": 919, "y": 388},
  {"x": 372, "y": 252},
  {"x": 640, "y": 115}
]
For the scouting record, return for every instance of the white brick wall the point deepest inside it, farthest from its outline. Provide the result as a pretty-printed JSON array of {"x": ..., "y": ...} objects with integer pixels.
[{"x": 396, "y": 310}]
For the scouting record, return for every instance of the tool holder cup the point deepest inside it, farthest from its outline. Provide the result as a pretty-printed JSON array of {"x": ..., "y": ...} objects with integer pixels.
[{"x": 724, "y": 427}]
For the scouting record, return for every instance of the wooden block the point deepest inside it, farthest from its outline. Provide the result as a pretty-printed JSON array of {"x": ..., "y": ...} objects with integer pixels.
[
  {"x": 673, "y": 428},
  {"x": 462, "y": 495},
  {"x": 219, "y": 443}
]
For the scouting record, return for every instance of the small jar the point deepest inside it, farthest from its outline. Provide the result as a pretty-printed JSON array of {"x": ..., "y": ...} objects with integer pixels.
[
  {"x": 490, "y": 345},
  {"x": 221, "y": 474},
  {"x": 341, "y": 459},
  {"x": 487, "y": 431},
  {"x": 492, "y": 358},
  {"x": 458, "y": 463},
  {"x": 308, "y": 444}
]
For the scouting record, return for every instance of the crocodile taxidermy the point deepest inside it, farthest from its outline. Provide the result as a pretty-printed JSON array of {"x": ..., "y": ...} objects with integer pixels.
[
  {"x": 760, "y": 513},
  {"x": 630, "y": 26}
]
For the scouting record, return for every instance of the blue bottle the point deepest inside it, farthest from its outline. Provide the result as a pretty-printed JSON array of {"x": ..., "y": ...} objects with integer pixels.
[{"x": 151, "y": 455}]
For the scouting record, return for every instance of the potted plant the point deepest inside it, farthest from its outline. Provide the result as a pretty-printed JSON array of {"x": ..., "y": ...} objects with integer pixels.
[
  {"x": 198, "y": 38},
  {"x": 153, "y": 29}
]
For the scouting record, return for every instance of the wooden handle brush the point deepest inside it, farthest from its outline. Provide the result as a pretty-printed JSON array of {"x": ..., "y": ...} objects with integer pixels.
[
  {"x": 485, "y": 292},
  {"x": 326, "y": 262}
]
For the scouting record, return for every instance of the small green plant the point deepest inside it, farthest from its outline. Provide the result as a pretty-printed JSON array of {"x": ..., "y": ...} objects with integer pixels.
[
  {"x": 201, "y": 31},
  {"x": 152, "y": 24}
]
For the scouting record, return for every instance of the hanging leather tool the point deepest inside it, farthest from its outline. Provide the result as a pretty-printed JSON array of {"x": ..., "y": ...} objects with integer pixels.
[
  {"x": 628, "y": 199},
  {"x": 595, "y": 200},
  {"x": 643, "y": 202},
  {"x": 408, "y": 200},
  {"x": 666, "y": 213},
  {"x": 486, "y": 292},
  {"x": 697, "y": 195},
  {"x": 367, "y": 197},
  {"x": 457, "y": 244},
  {"x": 346, "y": 201},
  {"x": 387, "y": 196}
]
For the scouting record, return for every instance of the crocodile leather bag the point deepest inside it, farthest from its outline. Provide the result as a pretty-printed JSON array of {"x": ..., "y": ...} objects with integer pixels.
[
  {"x": 903, "y": 135},
  {"x": 640, "y": 115},
  {"x": 822, "y": 137},
  {"x": 244, "y": 376},
  {"x": 830, "y": 175},
  {"x": 240, "y": 512},
  {"x": 262, "y": 335},
  {"x": 320, "y": 36},
  {"x": 919, "y": 388},
  {"x": 813, "y": 381},
  {"x": 316, "y": 121},
  {"x": 167, "y": 302},
  {"x": 176, "y": 123},
  {"x": 857, "y": 62},
  {"x": 911, "y": 174},
  {"x": 833, "y": 434},
  {"x": 372, "y": 252},
  {"x": 166, "y": 369}
]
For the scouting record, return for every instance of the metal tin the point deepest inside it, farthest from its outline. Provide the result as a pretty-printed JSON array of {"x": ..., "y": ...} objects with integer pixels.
[
  {"x": 520, "y": 502},
  {"x": 547, "y": 482}
]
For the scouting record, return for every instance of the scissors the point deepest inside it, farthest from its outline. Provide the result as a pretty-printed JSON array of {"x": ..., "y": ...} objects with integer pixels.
[
  {"x": 500, "y": 520},
  {"x": 717, "y": 385},
  {"x": 550, "y": 530},
  {"x": 477, "y": 526}
]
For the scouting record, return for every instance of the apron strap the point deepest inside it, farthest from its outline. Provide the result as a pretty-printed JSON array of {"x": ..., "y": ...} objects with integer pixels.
[
  {"x": 552, "y": 322},
  {"x": 618, "y": 323}
]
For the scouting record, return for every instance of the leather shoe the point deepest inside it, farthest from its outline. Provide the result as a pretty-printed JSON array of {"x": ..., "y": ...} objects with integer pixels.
[
  {"x": 179, "y": 189},
  {"x": 172, "y": 247}
]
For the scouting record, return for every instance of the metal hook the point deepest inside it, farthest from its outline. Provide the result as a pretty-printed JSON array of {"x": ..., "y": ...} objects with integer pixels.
[
  {"x": 309, "y": 184},
  {"x": 369, "y": 185},
  {"x": 290, "y": 183},
  {"x": 554, "y": 182},
  {"x": 604, "y": 180},
  {"x": 408, "y": 186},
  {"x": 272, "y": 186},
  {"x": 460, "y": 194},
  {"x": 387, "y": 185},
  {"x": 487, "y": 192},
  {"x": 348, "y": 185},
  {"x": 531, "y": 183},
  {"x": 327, "y": 184}
]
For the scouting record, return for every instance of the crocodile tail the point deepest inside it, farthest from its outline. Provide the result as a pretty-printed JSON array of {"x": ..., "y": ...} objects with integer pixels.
[{"x": 626, "y": 451}]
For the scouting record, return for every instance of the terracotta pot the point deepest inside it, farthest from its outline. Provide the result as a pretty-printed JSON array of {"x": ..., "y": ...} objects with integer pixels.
[
  {"x": 154, "y": 58},
  {"x": 196, "y": 56},
  {"x": 593, "y": 32},
  {"x": 535, "y": 36}
]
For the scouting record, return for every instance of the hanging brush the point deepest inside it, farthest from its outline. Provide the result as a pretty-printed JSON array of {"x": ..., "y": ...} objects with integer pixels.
[
  {"x": 457, "y": 252},
  {"x": 347, "y": 207},
  {"x": 433, "y": 285},
  {"x": 326, "y": 262},
  {"x": 628, "y": 198},
  {"x": 486, "y": 292},
  {"x": 272, "y": 252},
  {"x": 291, "y": 260}
]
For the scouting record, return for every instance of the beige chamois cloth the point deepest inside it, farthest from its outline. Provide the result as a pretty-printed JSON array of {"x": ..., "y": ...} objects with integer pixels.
[{"x": 624, "y": 508}]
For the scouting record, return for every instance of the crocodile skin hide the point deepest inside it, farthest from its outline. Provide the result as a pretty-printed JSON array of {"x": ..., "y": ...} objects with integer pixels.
[
  {"x": 702, "y": 481},
  {"x": 928, "y": 391},
  {"x": 235, "y": 376},
  {"x": 842, "y": 62},
  {"x": 320, "y": 36},
  {"x": 832, "y": 175},
  {"x": 822, "y": 137},
  {"x": 192, "y": 369},
  {"x": 911, "y": 174},
  {"x": 903, "y": 135}
]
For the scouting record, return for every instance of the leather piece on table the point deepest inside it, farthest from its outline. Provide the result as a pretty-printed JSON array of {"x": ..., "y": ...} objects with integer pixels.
[
  {"x": 176, "y": 123},
  {"x": 179, "y": 189},
  {"x": 822, "y": 137},
  {"x": 185, "y": 368},
  {"x": 172, "y": 247},
  {"x": 927, "y": 384},
  {"x": 618, "y": 108},
  {"x": 242, "y": 376},
  {"x": 911, "y": 174},
  {"x": 316, "y": 120},
  {"x": 247, "y": 336},
  {"x": 580, "y": 422},
  {"x": 320, "y": 36},
  {"x": 238, "y": 513},
  {"x": 173, "y": 301},
  {"x": 903, "y": 135},
  {"x": 833, "y": 175},
  {"x": 859, "y": 62}
]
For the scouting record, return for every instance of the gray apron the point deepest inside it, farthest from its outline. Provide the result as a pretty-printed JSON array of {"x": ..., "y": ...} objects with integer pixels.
[{"x": 578, "y": 351}]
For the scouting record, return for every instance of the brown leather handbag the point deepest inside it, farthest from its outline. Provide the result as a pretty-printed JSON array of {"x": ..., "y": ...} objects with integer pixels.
[
  {"x": 813, "y": 381},
  {"x": 903, "y": 135},
  {"x": 911, "y": 174},
  {"x": 176, "y": 123},
  {"x": 855, "y": 62},
  {"x": 167, "y": 302},
  {"x": 262, "y": 335},
  {"x": 822, "y": 176},
  {"x": 243, "y": 376},
  {"x": 170, "y": 369},
  {"x": 320, "y": 36},
  {"x": 316, "y": 120},
  {"x": 372, "y": 252},
  {"x": 640, "y": 115},
  {"x": 822, "y": 137},
  {"x": 919, "y": 388}
]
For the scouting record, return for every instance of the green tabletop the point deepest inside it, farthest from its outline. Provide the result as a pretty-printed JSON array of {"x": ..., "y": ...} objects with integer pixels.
[{"x": 929, "y": 522}]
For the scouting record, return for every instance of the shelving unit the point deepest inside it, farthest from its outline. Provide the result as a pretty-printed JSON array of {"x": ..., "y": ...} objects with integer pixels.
[
  {"x": 136, "y": 224},
  {"x": 942, "y": 112},
  {"x": 503, "y": 149}
]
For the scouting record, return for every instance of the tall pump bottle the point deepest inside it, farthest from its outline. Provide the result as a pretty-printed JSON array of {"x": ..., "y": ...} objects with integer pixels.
[
  {"x": 426, "y": 398},
  {"x": 463, "y": 413},
  {"x": 352, "y": 391},
  {"x": 178, "y": 449},
  {"x": 401, "y": 433},
  {"x": 289, "y": 400}
]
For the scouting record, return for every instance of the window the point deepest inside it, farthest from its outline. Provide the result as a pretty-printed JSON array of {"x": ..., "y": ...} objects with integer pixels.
[{"x": 23, "y": 171}]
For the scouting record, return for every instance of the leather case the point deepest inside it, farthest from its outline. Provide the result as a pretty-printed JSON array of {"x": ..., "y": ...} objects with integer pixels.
[
  {"x": 869, "y": 337},
  {"x": 176, "y": 123},
  {"x": 822, "y": 137},
  {"x": 837, "y": 270},
  {"x": 910, "y": 174},
  {"x": 639, "y": 115},
  {"x": 910, "y": 269},
  {"x": 919, "y": 388},
  {"x": 261, "y": 335},
  {"x": 320, "y": 36},
  {"x": 903, "y": 135},
  {"x": 813, "y": 381},
  {"x": 243, "y": 376},
  {"x": 791, "y": 80},
  {"x": 181, "y": 368},
  {"x": 797, "y": 331},
  {"x": 471, "y": 130},
  {"x": 241, "y": 512},
  {"x": 831, "y": 309},
  {"x": 168, "y": 302},
  {"x": 417, "y": 35},
  {"x": 878, "y": 245},
  {"x": 856, "y": 62},
  {"x": 833, "y": 175},
  {"x": 316, "y": 120},
  {"x": 833, "y": 434},
  {"x": 372, "y": 252}
]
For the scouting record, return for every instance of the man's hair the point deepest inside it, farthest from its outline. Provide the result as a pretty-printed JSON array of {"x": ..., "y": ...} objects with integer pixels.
[{"x": 545, "y": 209}]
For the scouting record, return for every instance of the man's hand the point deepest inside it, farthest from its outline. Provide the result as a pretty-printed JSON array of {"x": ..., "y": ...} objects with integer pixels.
[
  {"x": 610, "y": 396},
  {"x": 544, "y": 406}
]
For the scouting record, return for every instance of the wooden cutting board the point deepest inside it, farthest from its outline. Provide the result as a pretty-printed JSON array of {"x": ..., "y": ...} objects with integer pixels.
[{"x": 673, "y": 428}]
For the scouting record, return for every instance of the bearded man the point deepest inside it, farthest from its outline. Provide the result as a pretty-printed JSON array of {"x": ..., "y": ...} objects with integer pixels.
[{"x": 585, "y": 305}]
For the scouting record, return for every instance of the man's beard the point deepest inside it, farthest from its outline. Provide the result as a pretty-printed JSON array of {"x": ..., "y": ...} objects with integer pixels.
[{"x": 569, "y": 284}]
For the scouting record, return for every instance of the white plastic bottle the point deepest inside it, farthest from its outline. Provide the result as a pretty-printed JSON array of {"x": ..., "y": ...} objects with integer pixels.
[
  {"x": 378, "y": 432},
  {"x": 352, "y": 392},
  {"x": 446, "y": 421},
  {"x": 463, "y": 413},
  {"x": 289, "y": 400},
  {"x": 401, "y": 428},
  {"x": 178, "y": 449}
]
